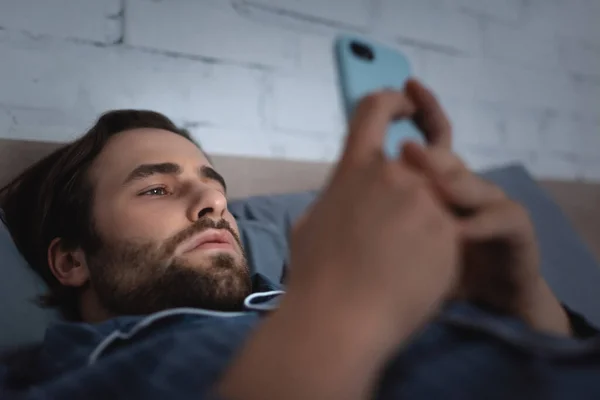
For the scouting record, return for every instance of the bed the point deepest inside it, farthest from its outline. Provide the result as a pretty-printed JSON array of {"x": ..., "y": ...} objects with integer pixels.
[
  {"x": 248, "y": 176},
  {"x": 566, "y": 215}
]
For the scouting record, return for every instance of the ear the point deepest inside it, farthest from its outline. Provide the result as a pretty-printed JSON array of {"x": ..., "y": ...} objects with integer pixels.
[{"x": 69, "y": 267}]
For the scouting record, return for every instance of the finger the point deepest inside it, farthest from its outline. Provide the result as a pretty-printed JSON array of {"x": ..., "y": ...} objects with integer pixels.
[
  {"x": 430, "y": 116},
  {"x": 370, "y": 122},
  {"x": 435, "y": 162},
  {"x": 457, "y": 185},
  {"x": 505, "y": 219},
  {"x": 470, "y": 192}
]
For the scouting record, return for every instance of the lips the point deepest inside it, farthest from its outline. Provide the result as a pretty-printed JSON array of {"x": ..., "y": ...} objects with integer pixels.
[{"x": 211, "y": 238}]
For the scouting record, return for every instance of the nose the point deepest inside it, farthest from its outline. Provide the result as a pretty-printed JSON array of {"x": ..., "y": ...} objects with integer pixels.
[{"x": 207, "y": 202}]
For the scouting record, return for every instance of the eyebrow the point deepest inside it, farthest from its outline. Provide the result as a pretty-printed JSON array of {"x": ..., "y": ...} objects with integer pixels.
[{"x": 145, "y": 170}]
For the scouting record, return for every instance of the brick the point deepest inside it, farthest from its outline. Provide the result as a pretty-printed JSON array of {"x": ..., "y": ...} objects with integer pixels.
[
  {"x": 243, "y": 142},
  {"x": 509, "y": 11},
  {"x": 305, "y": 105},
  {"x": 483, "y": 158},
  {"x": 47, "y": 124},
  {"x": 590, "y": 137},
  {"x": 81, "y": 19},
  {"x": 519, "y": 46},
  {"x": 450, "y": 76},
  {"x": 316, "y": 55},
  {"x": 586, "y": 97},
  {"x": 578, "y": 18},
  {"x": 417, "y": 21},
  {"x": 579, "y": 55},
  {"x": 525, "y": 87},
  {"x": 590, "y": 169},
  {"x": 523, "y": 129},
  {"x": 38, "y": 73},
  {"x": 479, "y": 125},
  {"x": 207, "y": 28},
  {"x": 6, "y": 122},
  {"x": 87, "y": 80},
  {"x": 352, "y": 12},
  {"x": 551, "y": 165},
  {"x": 218, "y": 95},
  {"x": 562, "y": 132},
  {"x": 303, "y": 147}
]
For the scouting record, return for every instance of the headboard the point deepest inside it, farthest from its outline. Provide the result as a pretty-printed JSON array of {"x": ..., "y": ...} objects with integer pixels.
[{"x": 254, "y": 176}]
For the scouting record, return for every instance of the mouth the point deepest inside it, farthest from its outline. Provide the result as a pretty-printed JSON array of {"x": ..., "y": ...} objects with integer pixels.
[{"x": 209, "y": 239}]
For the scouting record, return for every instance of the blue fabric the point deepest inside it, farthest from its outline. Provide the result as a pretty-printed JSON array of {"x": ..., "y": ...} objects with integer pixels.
[{"x": 181, "y": 353}]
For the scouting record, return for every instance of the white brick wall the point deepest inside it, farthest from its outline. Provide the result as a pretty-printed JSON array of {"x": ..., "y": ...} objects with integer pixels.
[
  {"x": 519, "y": 78},
  {"x": 91, "y": 20}
]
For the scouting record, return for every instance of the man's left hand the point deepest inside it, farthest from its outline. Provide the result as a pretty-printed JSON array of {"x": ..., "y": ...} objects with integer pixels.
[{"x": 501, "y": 260}]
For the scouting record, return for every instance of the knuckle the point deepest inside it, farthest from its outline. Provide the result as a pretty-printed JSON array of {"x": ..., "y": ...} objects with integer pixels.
[
  {"x": 423, "y": 204},
  {"x": 423, "y": 197},
  {"x": 389, "y": 175},
  {"x": 397, "y": 176},
  {"x": 416, "y": 192},
  {"x": 372, "y": 101}
]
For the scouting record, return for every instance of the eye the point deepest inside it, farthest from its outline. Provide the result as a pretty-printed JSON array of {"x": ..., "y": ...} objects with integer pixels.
[{"x": 157, "y": 191}]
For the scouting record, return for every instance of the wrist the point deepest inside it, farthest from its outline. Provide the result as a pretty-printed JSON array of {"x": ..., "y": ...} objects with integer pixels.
[
  {"x": 541, "y": 310},
  {"x": 309, "y": 348}
]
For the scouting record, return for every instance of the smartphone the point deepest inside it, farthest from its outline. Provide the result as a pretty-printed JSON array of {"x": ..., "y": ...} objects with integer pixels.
[{"x": 365, "y": 67}]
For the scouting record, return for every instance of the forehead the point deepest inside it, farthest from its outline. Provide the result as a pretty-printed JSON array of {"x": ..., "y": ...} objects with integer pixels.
[{"x": 126, "y": 150}]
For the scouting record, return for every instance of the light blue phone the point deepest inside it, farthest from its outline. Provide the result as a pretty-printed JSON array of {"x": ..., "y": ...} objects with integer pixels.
[{"x": 365, "y": 67}]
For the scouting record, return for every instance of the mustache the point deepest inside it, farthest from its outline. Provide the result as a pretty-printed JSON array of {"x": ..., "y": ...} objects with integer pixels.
[{"x": 200, "y": 226}]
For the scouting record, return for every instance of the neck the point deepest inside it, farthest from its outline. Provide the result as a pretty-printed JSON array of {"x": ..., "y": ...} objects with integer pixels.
[{"x": 90, "y": 309}]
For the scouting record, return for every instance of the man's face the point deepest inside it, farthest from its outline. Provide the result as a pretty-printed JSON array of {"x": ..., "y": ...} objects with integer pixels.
[{"x": 166, "y": 237}]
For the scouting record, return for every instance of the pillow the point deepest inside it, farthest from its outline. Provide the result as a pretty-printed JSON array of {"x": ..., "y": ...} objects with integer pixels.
[
  {"x": 280, "y": 211},
  {"x": 23, "y": 322},
  {"x": 567, "y": 263},
  {"x": 265, "y": 222},
  {"x": 265, "y": 248}
]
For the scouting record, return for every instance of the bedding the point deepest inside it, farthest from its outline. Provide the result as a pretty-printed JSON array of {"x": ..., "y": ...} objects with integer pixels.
[{"x": 265, "y": 223}]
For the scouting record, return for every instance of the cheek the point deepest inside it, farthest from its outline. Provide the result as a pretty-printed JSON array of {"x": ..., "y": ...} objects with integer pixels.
[
  {"x": 232, "y": 222},
  {"x": 139, "y": 221}
]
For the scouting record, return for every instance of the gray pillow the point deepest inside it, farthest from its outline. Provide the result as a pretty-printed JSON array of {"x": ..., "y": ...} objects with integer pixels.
[
  {"x": 23, "y": 322},
  {"x": 280, "y": 210},
  {"x": 567, "y": 263}
]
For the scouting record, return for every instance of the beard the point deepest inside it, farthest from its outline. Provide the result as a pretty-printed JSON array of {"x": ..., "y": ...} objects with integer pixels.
[{"x": 142, "y": 277}]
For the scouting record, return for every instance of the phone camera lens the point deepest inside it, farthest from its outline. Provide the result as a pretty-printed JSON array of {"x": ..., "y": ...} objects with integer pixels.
[{"x": 362, "y": 51}]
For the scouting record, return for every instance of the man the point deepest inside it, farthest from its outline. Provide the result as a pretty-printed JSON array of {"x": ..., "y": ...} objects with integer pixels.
[{"x": 409, "y": 278}]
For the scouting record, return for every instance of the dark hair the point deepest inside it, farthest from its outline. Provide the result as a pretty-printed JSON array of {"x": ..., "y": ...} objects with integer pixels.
[{"x": 54, "y": 197}]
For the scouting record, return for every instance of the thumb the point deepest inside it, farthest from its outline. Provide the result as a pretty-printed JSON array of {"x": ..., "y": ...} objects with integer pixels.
[{"x": 369, "y": 124}]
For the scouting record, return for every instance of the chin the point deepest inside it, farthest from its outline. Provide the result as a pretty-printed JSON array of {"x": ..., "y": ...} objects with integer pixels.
[{"x": 210, "y": 257}]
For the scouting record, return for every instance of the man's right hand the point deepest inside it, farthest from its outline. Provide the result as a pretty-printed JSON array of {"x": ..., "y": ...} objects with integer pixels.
[
  {"x": 378, "y": 240},
  {"x": 371, "y": 262}
]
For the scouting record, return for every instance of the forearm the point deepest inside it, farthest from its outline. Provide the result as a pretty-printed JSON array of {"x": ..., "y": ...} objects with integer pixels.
[{"x": 302, "y": 352}]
